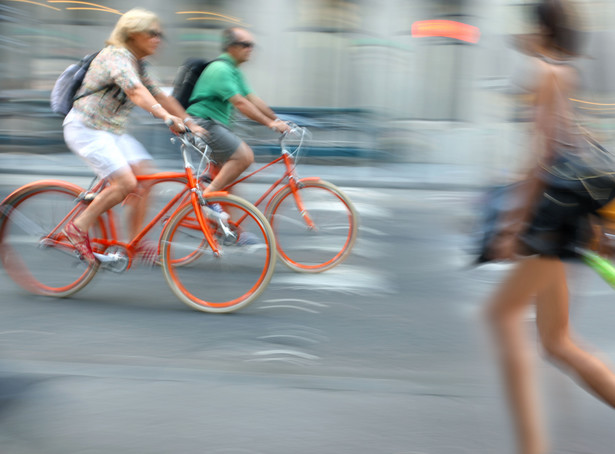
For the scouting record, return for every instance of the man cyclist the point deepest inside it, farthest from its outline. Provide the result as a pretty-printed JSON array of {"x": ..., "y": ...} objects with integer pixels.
[{"x": 221, "y": 88}]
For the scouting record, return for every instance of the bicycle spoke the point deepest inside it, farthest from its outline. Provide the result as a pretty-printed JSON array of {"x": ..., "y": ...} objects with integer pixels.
[
  {"x": 224, "y": 282},
  {"x": 40, "y": 263},
  {"x": 321, "y": 236},
  {"x": 24, "y": 222}
]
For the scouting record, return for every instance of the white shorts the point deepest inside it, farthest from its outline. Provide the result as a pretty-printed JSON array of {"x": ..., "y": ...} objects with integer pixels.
[{"x": 103, "y": 151}]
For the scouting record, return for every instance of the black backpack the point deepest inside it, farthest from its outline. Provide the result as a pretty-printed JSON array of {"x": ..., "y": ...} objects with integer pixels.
[
  {"x": 186, "y": 78},
  {"x": 66, "y": 86}
]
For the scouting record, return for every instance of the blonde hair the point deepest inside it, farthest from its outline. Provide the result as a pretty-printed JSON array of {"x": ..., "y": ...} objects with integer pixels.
[{"x": 134, "y": 21}]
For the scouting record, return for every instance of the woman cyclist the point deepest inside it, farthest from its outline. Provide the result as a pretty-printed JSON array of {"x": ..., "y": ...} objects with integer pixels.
[{"x": 95, "y": 128}]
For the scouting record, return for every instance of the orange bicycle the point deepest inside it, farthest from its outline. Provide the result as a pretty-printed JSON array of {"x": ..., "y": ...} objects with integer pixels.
[
  {"x": 315, "y": 224},
  {"x": 202, "y": 251}
]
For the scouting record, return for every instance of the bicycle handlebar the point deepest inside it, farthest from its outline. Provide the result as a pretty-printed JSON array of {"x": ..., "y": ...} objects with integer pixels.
[
  {"x": 190, "y": 141},
  {"x": 295, "y": 132}
]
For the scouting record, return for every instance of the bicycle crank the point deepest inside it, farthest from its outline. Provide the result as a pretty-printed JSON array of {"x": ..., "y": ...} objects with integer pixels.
[{"x": 116, "y": 262}]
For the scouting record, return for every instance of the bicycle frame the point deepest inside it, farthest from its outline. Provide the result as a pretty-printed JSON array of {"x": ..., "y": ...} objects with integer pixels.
[
  {"x": 209, "y": 262},
  {"x": 189, "y": 194},
  {"x": 293, "y": 182}
]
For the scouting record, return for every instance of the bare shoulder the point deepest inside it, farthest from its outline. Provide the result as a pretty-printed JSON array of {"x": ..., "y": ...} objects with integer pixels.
[{"x": 558, "y": 74}]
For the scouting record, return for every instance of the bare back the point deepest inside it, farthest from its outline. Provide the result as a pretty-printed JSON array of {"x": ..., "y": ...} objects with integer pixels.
[{"x": 555, "y": 120}]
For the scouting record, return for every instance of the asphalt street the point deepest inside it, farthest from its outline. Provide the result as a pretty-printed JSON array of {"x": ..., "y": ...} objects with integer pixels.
[{"x": 384, "y": 354}]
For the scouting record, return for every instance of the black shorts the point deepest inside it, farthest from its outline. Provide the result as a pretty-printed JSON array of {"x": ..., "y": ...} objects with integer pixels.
[
  {"x": 576, "y": 185},
  {"x": 561, "y": 221}
]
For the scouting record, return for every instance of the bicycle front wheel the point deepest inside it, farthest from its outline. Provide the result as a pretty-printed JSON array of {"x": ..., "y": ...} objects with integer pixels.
[
  {"x": 218, "y": 283},
  {"x": 34, "y": 252},
  {"x": 319, "y": 237}
]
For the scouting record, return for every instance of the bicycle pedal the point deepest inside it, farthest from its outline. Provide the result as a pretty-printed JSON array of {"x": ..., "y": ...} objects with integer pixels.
[{"x": 216, "y": 212}]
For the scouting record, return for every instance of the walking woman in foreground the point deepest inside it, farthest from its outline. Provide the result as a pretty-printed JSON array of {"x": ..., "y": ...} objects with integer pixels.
[{"x": 568, "y": 183}]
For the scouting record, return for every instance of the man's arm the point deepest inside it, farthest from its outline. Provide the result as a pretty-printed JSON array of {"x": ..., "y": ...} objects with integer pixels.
[
  {"x": 253, "y": 112},
  {"x": 260, "y": 105}
]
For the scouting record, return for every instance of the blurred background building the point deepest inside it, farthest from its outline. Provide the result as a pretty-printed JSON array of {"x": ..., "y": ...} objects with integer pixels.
[{"x": 430, "y": 81}]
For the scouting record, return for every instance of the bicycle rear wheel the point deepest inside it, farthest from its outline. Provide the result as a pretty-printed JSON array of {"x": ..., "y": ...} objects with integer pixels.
[
  {"x": 314, "y": 249},
  {"x": 227, "y": 282},
  {"x": 34, "y": 252}
]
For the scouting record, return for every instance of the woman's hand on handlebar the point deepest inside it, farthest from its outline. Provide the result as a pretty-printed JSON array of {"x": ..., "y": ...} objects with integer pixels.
[
  {"x": 179, "y": 127},
  {"x": 175, "y": 124}
]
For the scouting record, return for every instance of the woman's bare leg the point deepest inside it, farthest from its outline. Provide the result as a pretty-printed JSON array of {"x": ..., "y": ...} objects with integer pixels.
[
  {"x": 138, "y": 200},
  {"x": 506, "y": 314},
  {"x": 553, "y": 327},
  {"x": 121, "y": 183}
]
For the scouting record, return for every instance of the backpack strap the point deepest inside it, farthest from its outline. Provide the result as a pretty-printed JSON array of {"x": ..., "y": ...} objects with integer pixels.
[
  {"x": 88, "y": 93},
  {"x": 141, "y": 72},
  {"x": 201, "y": 99}
]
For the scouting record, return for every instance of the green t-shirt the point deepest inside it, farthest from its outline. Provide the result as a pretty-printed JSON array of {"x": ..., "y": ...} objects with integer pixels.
[{"x": 220, "y": 81}]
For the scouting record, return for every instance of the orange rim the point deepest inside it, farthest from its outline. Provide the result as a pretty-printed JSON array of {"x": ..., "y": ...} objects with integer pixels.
[
  {"x": 344, "y": 250},
  {"x": 226, "y": 304},
  {"x": 13, "y": 262}
]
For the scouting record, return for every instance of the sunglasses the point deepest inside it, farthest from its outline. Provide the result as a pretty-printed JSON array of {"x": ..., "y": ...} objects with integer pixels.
[
  {"x": 155, "y": 34},
  {"x": 244, "y": 44}
]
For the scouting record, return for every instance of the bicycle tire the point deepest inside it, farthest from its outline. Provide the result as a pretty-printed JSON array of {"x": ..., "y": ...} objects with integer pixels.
[
  {"x": 218, "y": 284},
  {"x": 40, "y": 264},
  {"x": 336, "y": 220}
]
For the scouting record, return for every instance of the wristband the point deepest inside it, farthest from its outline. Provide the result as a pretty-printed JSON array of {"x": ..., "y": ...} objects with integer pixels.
[
  {"x": 187, "y": 119},
  {"x": 155, "y": 107}
]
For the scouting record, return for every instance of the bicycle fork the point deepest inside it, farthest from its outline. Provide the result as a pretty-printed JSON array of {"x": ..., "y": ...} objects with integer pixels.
[
  {"x": 197, "y": 202},
  {"x": 294, "y": 187}
]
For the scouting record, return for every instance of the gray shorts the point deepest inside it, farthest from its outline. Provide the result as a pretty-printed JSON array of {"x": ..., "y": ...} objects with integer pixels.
[{"x": 222, "y": 140}]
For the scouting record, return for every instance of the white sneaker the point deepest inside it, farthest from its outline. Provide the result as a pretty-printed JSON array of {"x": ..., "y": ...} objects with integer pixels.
[
  {"x": 247, "y": 239},
  {"x": 217, "y": 208}
]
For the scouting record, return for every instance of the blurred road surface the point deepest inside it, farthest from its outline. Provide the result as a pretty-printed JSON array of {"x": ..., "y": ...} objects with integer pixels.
[{"x": 384, "y": 354}]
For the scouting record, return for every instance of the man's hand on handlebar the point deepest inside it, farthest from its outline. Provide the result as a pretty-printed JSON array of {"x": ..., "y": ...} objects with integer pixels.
[
  {"x": 199, "y": 130},
  {"x": 279, "y": 126}
]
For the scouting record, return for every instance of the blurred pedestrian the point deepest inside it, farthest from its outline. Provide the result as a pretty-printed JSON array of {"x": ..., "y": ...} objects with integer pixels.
[
  {"x": 95, "y": 128},
  {"x": 220, "y": 88},
  {"x": 568, "y": 183}
]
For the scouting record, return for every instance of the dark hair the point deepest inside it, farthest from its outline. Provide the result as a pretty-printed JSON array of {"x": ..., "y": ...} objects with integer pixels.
[
  {"x": 228, "y": 38},
  {"x": 558, "y": 22}
]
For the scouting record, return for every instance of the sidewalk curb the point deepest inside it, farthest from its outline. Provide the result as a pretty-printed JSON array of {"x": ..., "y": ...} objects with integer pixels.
[{"x": 338, "y": 181}]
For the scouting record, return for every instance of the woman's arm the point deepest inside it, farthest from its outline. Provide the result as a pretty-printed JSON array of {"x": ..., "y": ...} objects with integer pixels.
[
  {"x": 172, "y": 105},
  {"x": 543, "y": 152},
  {"x": 141, "y": 97}
]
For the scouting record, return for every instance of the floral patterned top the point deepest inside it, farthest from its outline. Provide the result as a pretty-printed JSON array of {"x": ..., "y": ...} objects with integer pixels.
[{"x": 117, "y": 69}]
